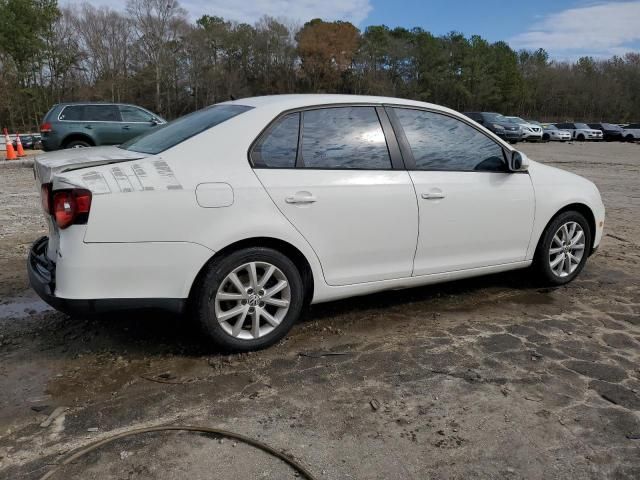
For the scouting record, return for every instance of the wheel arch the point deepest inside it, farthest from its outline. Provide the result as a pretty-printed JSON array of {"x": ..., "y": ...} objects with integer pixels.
[
  {"x": 282, "y": 246},
  {"x": 77, "y": 136},
  {"x": 581, "y": 208}
]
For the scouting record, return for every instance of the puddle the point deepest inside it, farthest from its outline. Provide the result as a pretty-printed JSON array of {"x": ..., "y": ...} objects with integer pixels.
[{"x": 22, "y": 307}]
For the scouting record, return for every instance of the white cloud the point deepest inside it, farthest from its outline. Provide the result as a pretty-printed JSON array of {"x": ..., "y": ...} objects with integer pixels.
[
  {"x": 249, "y": 11},
  {"x": 600, "y": 29}
]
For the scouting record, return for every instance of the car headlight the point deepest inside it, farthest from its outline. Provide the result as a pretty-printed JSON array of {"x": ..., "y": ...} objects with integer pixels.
[{"x": 498, "y": 127}]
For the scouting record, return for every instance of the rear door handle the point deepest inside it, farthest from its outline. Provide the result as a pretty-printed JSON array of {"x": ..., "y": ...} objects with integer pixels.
[
  {"x": 126, "y": 127},
  {"x": 89, "y": 127},
  {"x": 433, "y": 195},
  {"x": 301, "y": 197}
]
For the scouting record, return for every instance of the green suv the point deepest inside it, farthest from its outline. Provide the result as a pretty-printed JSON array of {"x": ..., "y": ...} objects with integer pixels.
[{"x": 74, "y": 125}]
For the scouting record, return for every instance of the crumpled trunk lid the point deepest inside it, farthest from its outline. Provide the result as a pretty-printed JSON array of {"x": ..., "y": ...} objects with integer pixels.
[{"x": 49, "y": 164}]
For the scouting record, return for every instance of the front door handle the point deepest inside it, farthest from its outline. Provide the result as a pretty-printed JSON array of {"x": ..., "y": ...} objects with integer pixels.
[
  {"x": 433, "y": 195},
  {"x": 301, "y": 197},
  {"x": 126, "y": 127},
  {"x": 88, "y": 127}
]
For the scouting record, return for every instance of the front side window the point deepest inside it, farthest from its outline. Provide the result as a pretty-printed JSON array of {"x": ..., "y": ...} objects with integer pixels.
[
  {"x": 278, "y": 147},
  {"x": 134, "y": 114},
  {"x": 101, "y": 113},
  {"x": 440, "y": 142},
  {"x": 344, "y": 138},
  {"x": 171, "y": 134}
]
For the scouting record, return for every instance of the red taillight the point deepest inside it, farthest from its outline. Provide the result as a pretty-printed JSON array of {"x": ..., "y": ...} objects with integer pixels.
[
  {"x": 45, "y": 127},
  {"x": 45, "y": 197},
  {"x": 71, "y": 207}
]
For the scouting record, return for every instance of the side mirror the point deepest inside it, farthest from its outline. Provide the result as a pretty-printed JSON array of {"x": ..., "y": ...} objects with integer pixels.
[
  {"x": 154, "y": 122},
  {"x": 518, "y": 162}
]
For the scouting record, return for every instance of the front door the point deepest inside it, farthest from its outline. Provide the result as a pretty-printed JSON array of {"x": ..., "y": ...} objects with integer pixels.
[
  {"x": 357, "y": 212},
  {"x": 135, "y": 122},
  {"x": 473, "y": 211}
]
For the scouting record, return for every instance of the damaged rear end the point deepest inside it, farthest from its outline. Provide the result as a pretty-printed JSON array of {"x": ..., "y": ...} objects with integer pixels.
[{"x": 66, "y": 205}]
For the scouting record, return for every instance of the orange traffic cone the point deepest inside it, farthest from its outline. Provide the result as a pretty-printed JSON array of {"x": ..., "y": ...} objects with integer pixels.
[
  {"x": 11, "y": 154},
  {"x": 19, "y": 146}
]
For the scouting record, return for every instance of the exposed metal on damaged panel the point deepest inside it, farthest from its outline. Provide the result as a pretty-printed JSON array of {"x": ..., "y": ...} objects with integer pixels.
[{"x": 125, "y": 178}]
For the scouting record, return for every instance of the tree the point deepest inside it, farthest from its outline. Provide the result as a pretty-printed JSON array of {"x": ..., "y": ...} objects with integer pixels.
[
  {"x": 156, "y": 26},
  {"x": 326, "y": 51}
]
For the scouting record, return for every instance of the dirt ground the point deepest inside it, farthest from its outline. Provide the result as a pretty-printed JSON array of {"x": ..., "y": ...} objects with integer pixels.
[{"x": 489, "y": 378}]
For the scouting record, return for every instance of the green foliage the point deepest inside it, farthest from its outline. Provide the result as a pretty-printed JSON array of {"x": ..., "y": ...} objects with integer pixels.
[{"x": 23, "y": 26}]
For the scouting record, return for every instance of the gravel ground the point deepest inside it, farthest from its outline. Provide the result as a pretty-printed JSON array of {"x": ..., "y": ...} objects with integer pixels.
[{"x": 493, "y": 377}]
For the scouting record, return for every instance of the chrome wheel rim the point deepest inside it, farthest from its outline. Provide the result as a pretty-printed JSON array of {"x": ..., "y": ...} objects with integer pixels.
[
  {"x": 252, "y": 300},
  {"x": 567, "y": 249}
]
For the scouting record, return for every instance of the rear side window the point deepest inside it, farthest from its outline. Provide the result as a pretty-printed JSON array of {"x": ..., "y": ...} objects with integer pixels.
[
  {"x": 101, "y": 113},
  {"x": 134, "y": 114},
  {"x": 278, "y": 147},
  {"x": 71, "y": 113},
  {"x": 440, "y": 142},
  {"x": 175, "y": 132},
  {"x": 344, "y": 138}
]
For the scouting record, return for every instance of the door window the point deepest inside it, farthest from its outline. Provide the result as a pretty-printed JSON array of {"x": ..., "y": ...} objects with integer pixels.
[
  {"x": 279, "y": 146},
  {"x": 440, "y": 142},
  {"x": 101, "y": 113},
  {"x": 344, "y": 138},
  {"x": 134, "y": 114},
  {"x": 72, "y": 113}
]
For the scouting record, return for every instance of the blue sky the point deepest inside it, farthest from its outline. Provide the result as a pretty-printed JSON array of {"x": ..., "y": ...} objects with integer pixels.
[{"x": 567, "y": 29}]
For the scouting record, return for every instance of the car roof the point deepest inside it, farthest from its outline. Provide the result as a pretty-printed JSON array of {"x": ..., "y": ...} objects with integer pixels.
[
  {"x": 70, "y": 104},
  {"x": 295, "y": 101}
]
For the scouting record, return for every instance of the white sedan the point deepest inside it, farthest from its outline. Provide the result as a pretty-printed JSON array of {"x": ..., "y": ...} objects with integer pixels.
[
  {"x": 248, "y": 210},
  {"x": 553, "y": 133}
]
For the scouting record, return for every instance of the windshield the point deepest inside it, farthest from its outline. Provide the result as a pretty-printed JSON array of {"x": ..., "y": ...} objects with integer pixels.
[
  {"x": 495, "y": 117},
  {"x": 583, "y": 125},
  {"x": 171, "y": 134},
  {"x": 516, "y": 120},
  {"x": 551, "y": 127},
  {"x": 611, "y": 126}
]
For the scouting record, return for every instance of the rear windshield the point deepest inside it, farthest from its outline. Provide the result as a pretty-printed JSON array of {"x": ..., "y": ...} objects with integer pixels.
[{"x": 171, "y": 134}]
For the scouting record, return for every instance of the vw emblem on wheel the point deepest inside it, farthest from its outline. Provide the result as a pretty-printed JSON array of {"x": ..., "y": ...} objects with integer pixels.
[{"x": 253, "y": 301}]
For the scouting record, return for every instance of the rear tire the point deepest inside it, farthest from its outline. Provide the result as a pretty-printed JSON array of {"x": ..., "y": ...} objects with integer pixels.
[
  {"x": 77, "y": 144},
  {"x": 563, "y": 248},
  {"x": 249, "y": 299}
]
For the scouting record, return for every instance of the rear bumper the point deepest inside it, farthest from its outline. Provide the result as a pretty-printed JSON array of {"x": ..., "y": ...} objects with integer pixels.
[{"x": 42, "y": 277}]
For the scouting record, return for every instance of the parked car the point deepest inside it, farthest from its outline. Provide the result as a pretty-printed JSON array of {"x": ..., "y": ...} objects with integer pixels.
[
  {"x": 552, "y": 133},
  {"x": 74, "y": 125},
  {"x": 530, "y": 131},
  {"x": 27, "y": 141},
  {"x": 581, "y": 131},
  {"x": 632, "y": 132},
  {"x": 498, "y": 124},
  {"x": 610, "y": 132},
  {"x": 250, "y": 209}
]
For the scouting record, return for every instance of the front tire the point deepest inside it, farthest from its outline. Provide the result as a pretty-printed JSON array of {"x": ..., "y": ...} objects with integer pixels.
[
  {"x": 249, "y": 299},
  {"x": 563, "y": 249}
]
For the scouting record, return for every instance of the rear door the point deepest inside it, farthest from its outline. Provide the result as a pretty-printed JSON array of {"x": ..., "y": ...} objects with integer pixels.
[
  {"x": 339, "y": 180},
  {"x": 135, "y": 121},
  {"x": 103, "y": 120},
  {"x": 473, "y": 211}
]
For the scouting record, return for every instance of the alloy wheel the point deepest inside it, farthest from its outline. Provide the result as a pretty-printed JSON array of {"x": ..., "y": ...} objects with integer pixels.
[
  {"x": 252, "y": 300},
  {"x": 566, "y": 249}
]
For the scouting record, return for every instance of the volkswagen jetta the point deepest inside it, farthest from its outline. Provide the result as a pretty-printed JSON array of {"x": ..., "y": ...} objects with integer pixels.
[{"x": 247, "y": 210}]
